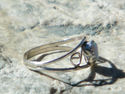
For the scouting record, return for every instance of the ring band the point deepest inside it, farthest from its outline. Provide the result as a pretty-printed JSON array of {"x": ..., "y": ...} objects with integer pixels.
[{"x": 43, "y": 49}]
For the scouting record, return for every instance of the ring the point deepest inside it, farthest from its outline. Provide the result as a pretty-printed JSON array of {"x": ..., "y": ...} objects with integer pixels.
[{"x": 86, "y": 51}]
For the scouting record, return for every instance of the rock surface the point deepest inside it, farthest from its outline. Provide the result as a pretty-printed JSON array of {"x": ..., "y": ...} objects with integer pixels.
[{"x": 26, "y": 24}]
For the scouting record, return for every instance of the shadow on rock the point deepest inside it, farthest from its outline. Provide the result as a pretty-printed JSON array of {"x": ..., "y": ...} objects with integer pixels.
[{"x": 113, "y": 73}]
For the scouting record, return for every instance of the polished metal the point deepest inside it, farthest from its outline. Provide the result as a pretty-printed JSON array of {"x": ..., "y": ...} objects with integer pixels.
[{"x": 86, "y": 51}]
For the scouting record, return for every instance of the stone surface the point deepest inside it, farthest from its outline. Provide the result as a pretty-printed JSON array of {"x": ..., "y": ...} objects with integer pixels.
[{"x": 26, "y": 24}]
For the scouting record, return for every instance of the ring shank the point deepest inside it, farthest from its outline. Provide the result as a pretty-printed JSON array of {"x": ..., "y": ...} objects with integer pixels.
[{"x": 48, "y": 48}]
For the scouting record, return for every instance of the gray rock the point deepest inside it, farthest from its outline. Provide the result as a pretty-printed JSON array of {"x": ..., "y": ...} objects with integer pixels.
[
  {"x": 4, "y": 61},
  {"x": 26, "y": 24}
]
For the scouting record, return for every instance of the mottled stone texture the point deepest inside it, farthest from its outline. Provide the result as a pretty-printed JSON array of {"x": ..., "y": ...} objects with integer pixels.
[{"x": 25, "y": 24}]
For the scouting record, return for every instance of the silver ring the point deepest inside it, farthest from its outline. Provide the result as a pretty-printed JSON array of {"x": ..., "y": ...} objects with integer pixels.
[{"x": 44, "y": 49}]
